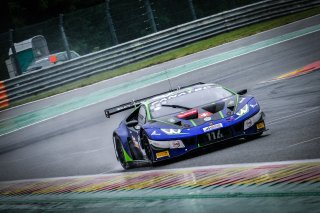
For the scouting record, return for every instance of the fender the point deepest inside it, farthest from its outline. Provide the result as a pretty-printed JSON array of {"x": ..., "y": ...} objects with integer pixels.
[{"x": 123, "y": 134}]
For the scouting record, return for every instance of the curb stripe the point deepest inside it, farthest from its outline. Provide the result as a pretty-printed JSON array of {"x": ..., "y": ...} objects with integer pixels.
[
  {"x": 4, "y": 101},
  {"x": 3, "y": 95},
  {"x": 4, "y": 104},
  {"x": 306, "y": 69},
  {"x": 200, "y": 180},
  {"x": 2, "y": 86}
]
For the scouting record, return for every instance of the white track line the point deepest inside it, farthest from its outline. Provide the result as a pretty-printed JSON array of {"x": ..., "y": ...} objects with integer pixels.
[
  {"x": 306, "y": 141},
  {"x": 278, "y": 120}
]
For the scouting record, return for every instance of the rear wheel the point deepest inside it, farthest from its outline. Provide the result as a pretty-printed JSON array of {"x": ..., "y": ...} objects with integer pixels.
[{"x": 120, "y": 153}]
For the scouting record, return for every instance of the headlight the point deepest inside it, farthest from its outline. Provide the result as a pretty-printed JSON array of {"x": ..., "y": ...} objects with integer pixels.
[
  {"x": 251, "y": 121},
  {"x": 174, "y": 144},
  {"x": 172, "y": 131},
  {"x": 244, "y": 110}
]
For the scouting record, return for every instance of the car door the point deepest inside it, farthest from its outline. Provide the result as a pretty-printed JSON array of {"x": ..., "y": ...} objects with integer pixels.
[{"x": 138, "y": 115}]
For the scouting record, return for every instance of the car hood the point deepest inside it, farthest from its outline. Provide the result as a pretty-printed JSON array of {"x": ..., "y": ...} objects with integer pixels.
[{"x": 178, "y": 124}]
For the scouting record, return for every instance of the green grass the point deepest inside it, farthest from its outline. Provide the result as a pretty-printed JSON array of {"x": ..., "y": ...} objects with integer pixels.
[{"x": 177, "y": 53}]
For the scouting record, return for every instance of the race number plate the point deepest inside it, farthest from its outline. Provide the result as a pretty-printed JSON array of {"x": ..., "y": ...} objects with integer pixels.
[
  {"x": 215, "y": 135},
  {"x": 260, "y": 125},
  {"x": 162, "y": 154}
]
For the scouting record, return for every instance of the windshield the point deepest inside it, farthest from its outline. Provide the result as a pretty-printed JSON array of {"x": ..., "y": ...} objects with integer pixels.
[{"x": 187, "y": 99}]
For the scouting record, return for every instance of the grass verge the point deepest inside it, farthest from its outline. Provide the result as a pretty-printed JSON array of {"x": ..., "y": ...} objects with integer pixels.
[{"x": 177, "y": 53}]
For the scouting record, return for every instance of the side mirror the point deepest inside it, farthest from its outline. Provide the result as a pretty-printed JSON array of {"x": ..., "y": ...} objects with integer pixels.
[
  {"x": 242, "y": 92},
  {"x": 132, "y": 123}
]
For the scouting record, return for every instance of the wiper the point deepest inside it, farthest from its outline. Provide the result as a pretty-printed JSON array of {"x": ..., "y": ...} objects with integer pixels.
[{"x": 176, "y": 106}]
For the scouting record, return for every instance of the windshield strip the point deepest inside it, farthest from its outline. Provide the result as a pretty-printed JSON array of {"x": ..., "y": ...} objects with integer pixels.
[
  {"x": 148, "y": 112},
  {"x": 193, "y": 123},
  {"x": 165, "y": 122},
  {"x": 221, "y": 114}
]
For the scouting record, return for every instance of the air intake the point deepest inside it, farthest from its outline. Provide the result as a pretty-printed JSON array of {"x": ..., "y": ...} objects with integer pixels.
[{"x": 213, "y": 108}]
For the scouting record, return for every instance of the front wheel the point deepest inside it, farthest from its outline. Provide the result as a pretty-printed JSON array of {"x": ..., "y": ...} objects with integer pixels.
[
  {"x": 147, "y": 148},
  {"x": 120, "y": 153}
]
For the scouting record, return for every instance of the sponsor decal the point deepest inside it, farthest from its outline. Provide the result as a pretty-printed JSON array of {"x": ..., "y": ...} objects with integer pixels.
[
  {"x": 127, "y": 105},
  {"x": 175, "y": 144},
  {"x": 212, "y": 127},
  {"x": 243, "y": 111},
  {"x": 204, "y": 114},
  {"x": 253, "y": 105},
  {"x": 155, "y": 133},
  {"x": 207, "y": 119},
  {"x": 187, "y": 113},
  {"x": 248, "y": 123},
  {"x": 169, "y": 96},
  {"x": 162, "y": 154},
  {"x": 173, "y": 131}
]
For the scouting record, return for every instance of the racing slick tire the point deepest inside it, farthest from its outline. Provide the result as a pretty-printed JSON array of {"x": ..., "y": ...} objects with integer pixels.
[
  {"x": 147, "y": 148},
  {"x": 136, "y": 153},
  {"x": 120, "y": 153}
]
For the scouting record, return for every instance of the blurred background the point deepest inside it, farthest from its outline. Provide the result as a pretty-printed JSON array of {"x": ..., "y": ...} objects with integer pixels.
[{"x": 41, "y": 31}]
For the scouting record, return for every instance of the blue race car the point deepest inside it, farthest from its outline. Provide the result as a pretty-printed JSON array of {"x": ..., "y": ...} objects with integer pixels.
[{"x": 174, "y": 123}]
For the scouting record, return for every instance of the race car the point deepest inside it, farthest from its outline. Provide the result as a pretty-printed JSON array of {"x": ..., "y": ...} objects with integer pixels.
[{"x": 171, "y": 124}]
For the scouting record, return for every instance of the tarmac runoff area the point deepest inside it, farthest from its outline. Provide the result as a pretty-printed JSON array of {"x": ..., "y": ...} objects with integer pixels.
[{"x": 290, "y": 186}]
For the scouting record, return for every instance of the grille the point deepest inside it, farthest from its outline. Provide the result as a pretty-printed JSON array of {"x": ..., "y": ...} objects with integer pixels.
[
  {"x": 190, "y": 141},
  {"x": 238, "y": 127}
]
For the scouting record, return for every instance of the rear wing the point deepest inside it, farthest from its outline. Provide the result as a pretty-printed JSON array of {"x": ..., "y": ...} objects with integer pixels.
[
  {"x": 136, "y": 103},
  {"x": 123, "y": 107}
]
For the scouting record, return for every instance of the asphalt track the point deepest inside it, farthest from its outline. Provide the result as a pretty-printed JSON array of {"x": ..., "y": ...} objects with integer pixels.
[{"x": 79, "y": 142}]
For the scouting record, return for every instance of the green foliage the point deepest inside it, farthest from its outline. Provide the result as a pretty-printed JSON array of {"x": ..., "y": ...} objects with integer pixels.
[{"x": 86, "y": 26}]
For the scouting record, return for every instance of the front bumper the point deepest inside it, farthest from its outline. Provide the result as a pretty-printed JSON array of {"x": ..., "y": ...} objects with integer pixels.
[{"x": 211, "y": 138}]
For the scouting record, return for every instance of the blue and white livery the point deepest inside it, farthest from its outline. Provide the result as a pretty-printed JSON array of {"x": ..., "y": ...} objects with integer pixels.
[{"x": 174, "y": 123}]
